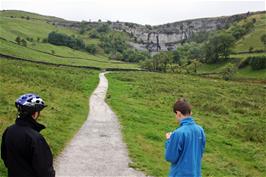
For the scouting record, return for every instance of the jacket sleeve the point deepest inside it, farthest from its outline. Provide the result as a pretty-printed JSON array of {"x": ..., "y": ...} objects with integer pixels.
[
  {"x": 203, "y": 141},
  {"x": 42, "y": 160},
  {"x": 173, "y": 147},
  {"x": 3, "y": 148}
]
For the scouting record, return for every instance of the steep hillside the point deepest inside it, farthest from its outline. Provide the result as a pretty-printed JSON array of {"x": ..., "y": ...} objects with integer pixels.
[
  {"x": 251, "y": 41},
  {"x": 34, "y": 29}
]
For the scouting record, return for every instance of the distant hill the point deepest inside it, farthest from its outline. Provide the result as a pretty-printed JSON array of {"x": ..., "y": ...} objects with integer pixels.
[
  {"x": 168, "y": 36},
  {"x": 34, "y": 29}
]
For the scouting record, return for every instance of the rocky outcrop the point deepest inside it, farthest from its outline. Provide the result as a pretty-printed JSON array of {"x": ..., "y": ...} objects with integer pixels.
[{"x": 164, "y": 37}]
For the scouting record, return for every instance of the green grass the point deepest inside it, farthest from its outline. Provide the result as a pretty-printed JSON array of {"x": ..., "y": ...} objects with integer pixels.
[
  {"x": 13, "y": 27},
  {"x": 65, "y": 90},
  {"x": 242, "y": 74},
  {"x": 232, "y": 114},
  {"x": 252, "y": 39},
  {"x": 246, "y": 55},
  {"x": 248, "y": 73},
  {"x": 19, "y": 14},
  {"x": 15, "y": 50},
  {"x": 38, "y": 27}
]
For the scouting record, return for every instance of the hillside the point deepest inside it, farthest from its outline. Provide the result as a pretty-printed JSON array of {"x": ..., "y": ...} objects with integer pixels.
[
  {"x": 34, "y": 29},
  {"x": 252, "y": 40},
  {"x": 167, "y": 36}
]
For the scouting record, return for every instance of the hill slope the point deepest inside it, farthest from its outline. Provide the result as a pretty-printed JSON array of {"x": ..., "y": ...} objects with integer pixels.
[{"x": 34, "y": 29}]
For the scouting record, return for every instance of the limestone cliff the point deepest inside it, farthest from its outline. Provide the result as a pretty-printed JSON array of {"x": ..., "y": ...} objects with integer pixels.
[{"x": 168, "y": 36}]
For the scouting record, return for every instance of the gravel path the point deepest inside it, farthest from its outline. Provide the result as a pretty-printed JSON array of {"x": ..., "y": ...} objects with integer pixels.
[{"x": 97, "y": 149}]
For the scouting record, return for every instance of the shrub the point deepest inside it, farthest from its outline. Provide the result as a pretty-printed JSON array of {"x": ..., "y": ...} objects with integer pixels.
[
  {"x": 23, "y": 42},
  {"x": 103, "y": 28},
  {"x": 218, "y": 46},
  {"x": 91, "y": 49},
  {"x": 244, "y": 63},
  {"x": 263, "y": 39},
  {"x": 65, "y": 40},
  {"x": 94, "y": 34},
  {"x": 228, "y": 71},
  {"x": 257, "y": 62},
  {"x": 18, "y": 40},
  {"x": 44, "y": 40}
]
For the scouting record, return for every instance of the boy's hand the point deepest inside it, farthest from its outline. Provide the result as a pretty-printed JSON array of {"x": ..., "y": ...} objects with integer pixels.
[{"x": 168, "y": 135}]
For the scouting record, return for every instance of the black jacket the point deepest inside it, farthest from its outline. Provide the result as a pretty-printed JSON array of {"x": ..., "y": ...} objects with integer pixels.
[{"x": 24, "y": 150}]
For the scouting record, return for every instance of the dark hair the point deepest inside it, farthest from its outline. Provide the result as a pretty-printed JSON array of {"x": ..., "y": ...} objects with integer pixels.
[{"x": 182, "y": 106}]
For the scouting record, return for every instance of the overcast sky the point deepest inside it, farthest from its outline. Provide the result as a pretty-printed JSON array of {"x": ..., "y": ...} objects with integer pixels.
[{"x": 151, "y": 12}]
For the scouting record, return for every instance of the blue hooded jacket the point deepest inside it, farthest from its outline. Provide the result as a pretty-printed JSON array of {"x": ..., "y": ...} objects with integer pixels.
[{"x": 184, "y": 149}]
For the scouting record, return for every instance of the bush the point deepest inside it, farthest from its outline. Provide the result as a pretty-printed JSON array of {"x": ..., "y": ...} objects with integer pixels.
[
  {"x": 103, "y": 28},
  {"x": 44, "y": 40},
  {"x": 91, "y": 49},
  {"x": 228, "y": 71},
  {"x": 94, "y": 34},
  {"x": 65, "y": 40},
  {"x": 23, "y": 42},
  {"x": 244, "y": 63},
  {"x": 18, "y": 40},
  {"x": 219, "y": 46},
  {"x": 113, "y": 43},
  {"x": 257, "y": 62}
]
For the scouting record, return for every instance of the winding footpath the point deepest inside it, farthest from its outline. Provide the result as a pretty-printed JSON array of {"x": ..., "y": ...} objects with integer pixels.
[{"x": 97, "y": 149}]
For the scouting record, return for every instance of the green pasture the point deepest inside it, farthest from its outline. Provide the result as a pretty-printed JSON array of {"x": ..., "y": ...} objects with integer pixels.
[
  {"x": 231, "y": 113},
  {"x": 65, "y": 90}
]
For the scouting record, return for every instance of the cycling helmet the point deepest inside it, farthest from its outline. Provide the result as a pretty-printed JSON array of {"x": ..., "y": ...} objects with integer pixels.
[{"x": 30, "y": 103}]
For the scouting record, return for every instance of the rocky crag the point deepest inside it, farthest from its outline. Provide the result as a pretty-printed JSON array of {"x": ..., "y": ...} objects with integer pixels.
[{"x": 167, "y": 36}]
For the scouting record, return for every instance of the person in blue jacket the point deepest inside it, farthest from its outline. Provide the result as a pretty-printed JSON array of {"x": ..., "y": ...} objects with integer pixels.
[{"x": 185, "y": 146}]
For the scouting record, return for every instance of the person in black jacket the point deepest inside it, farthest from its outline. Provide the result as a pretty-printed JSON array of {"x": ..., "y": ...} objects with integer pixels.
[{"x": 23, "y": 149}]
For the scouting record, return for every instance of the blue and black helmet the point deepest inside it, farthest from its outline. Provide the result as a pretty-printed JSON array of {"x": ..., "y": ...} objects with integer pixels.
[{"x": 30, "y": 103}]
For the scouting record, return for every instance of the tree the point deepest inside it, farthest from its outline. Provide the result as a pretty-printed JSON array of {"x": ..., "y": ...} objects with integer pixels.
[
  {"x": 194, "y": 65},
  {"x": 91, "y": 48},
  {"x": 218, "y": 46},
  {"x": 44, "y": 40},
  {"x": 112, "y": 43},
  {"x": 228, "y": 71},
  {"x": 263, "y": 39},
  {"x": 103, "y": 28},
  {"x": 176, "y": 57},
  {"x": 65, "y": 40},
  {"x": 23, "y": 42},
  {"x": 18, "y": 40},
  {"x": 161, "y": 61},
  {"x": 94, "y": 34}
]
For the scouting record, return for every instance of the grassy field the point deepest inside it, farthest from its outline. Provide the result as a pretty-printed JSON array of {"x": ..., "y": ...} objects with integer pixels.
[
  {"x": 38, "y": 26},
  {"x": 65, "y": 90},
  {"x": 248, "y": 73},
  {"x": 9, "y": 48},
  {"x": 246, "y": 55},
  {"x": 231, "y": 113},
  {"x": 243, "y": 73},
  {"x": 253, "y": 39}
]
